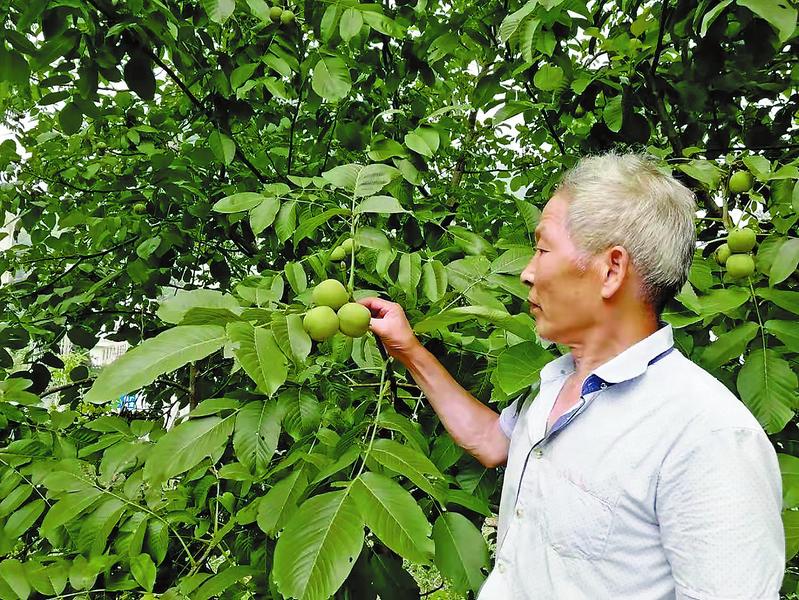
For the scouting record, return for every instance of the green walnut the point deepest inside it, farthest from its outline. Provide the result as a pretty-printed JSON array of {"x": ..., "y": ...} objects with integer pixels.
[
  {"x": 353, "y": 319},
  {"x": 722, "y": 254},
  {"x": 741, "y": 240},
  {"x": 287, "y": 17},
  {"x": 321, "y": 323},
  {"x": 275, "y": 13},
  {"x": 740, "y": 182},
  {"x": 330, "y": 293},
  {"x": 140, "y": 208},
  {"x": 740, "y": 265},
  {"x": 347, "y": 245},
  {"x": 337, "y": 253}
]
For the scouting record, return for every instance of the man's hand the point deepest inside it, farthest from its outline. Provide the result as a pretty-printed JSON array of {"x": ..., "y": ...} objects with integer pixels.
[
  {"x": 473, "y": 425},
  {"x": 391, "y": 326}
]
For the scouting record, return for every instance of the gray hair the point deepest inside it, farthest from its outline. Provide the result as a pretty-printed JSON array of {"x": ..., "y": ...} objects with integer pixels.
[{"x": 626, "y": 200}]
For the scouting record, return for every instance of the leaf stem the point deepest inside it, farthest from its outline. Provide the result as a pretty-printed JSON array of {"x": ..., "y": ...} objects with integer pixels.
[{"x": 380, "y": 395}]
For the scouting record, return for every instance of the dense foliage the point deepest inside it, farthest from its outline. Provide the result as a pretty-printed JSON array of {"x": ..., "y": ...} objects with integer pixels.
[{"x": 177, "y": 176}]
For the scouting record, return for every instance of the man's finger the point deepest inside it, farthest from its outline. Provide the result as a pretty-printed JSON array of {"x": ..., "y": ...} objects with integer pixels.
[{"x": 377, "y": 305}]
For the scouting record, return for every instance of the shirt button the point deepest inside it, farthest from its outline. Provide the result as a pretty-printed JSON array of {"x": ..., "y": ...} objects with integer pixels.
[
  {"x": 519, "y": 513},
  {"x": 538, "y": 453},
  {"x": 501, "y": 568}
]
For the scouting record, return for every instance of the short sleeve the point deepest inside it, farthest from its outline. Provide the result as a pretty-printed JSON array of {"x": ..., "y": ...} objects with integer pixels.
[
  {"x": 718, "y": 503},
  {"x": 508, "y": 418}
]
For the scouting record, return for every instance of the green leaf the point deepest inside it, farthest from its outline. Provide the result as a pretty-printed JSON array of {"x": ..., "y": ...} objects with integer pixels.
[
  {"x": 331, "y": 79},
  {"x": 139, "y": 77},
  {"x": 783, "y": 298},
  {"x": 510, "y": 110},
  {"x": 518, "y": 367},
  {"x": 97, "y": 526},
  {"x": 550, "y": 77},
  {"x": 308, "y": 226},
  {"x": 759, "y": 165},
  {"x": 409, "y": 429},
  {"x": 259, "y": 355},
  {"x": 790, "y": 522},
  {"x": 24, "y": 518},
  {"x": 379, "y": 204},
  {"x": 280, "y": 502},
  {"x": 372, "y": 178},
  {"x": 263, "y": 215},
  {"x": 69, "y": 507},
  {"x": 785, "y": 331},
  {"x": 381, "y": 148},
  {"x": 299, "y": 339},
  {"x": 728, "y": 346},
  {"x": 512, "y": 261},
  {"x": 511, "y": 23},
  {"x": 461, "y": 552},
  {"x": 256, "y": 434},
  {"x": 143, "y": 570},
  {"x": 223, "y": 147},
  {"x": 260, "y": 9},
  {"x": 722, "y": 301},
  {"x": 173, "y": 309},
  {"x": 409, "y": 462},
  {"x": 296, "y": 276},
  {"x": 393, "y": 516},
  {"x": 789, "y": 468},
  {"x": 157, "y": 539},
  {"x": 704, "y": 171},
  {"x": 70, "y": 118},
  {"x": 712, "y": 15},
  {"x": 185, "y": 446},
  {"x": 785, "y": 262},
  {"x": 216, "y": 585},
  {"x": 351, "y": 23},
  {"x": 15, "y": 499},
  {"x": 13, "y": 573},
  {"x": 780, "y": 15},
  {"x": 242, "y": 74},
  {"x": 409, "y": 273},
  {"x": 147, "y": 247},
  {"x": 219, "y": 11},
  {"x": 470, "y": 242},
  {"x": 523, "y": 327},
  {"x": 164, "y": 353},
  {"x": 239, "y": 202},
  {"x": 383, "y": 24},
  {"x": 343, "y": 176},
  {"x": 434, "y": 280},
  {"x": 767, "y": 385},
  {"x": 327, "y": 27},
  {"x": 302, "y": 412},
  {"x": 14, "y": 68},
  {"x": 424, "y": 140},
  {"x": 318, "y": 548}
]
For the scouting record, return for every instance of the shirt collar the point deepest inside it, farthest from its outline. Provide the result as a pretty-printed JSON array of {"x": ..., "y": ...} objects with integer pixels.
[{"x": 625, "y": 366}]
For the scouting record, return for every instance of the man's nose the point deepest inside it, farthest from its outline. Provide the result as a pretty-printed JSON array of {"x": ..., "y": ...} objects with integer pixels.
[{"x": 528, "y": 275}]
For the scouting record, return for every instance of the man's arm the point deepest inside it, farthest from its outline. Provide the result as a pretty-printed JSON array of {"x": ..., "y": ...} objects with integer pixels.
[
  {"x": 718, "y": 504},
  {"x": 472, "y": 425}
]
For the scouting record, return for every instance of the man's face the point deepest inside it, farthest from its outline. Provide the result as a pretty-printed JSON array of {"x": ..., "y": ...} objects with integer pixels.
[{"x": 565, "y": 294}]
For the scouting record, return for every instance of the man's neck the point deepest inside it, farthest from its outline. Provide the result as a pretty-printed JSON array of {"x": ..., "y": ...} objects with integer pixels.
[{"x": 608, "y": 340}]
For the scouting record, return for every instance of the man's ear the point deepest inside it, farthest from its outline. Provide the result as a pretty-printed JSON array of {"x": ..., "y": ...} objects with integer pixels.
[{"x": 615, "y": 268}]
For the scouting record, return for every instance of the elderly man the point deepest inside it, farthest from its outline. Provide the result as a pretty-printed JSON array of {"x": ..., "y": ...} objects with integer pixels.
[{"x": 632, "y": 473}]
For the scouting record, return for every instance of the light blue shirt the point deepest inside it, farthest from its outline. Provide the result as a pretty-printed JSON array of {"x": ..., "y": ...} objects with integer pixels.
[{"x": 658, "y": 484}]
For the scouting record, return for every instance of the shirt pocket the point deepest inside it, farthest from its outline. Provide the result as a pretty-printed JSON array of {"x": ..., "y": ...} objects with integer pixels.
[{"x": 580, "y": 515}]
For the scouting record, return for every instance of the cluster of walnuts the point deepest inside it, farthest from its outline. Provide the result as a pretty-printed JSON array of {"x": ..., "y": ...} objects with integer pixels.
[
  {"x": 735, "y": 254},
  {"x": 333, "y": 312}
]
